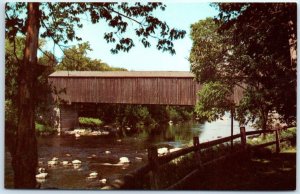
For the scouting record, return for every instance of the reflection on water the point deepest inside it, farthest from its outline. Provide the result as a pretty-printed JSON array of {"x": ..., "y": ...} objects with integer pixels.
[{"x": 102, "y": 154}]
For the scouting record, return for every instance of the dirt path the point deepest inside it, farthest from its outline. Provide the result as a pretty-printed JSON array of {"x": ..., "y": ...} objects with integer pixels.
[{"x": 252, "y": 171}]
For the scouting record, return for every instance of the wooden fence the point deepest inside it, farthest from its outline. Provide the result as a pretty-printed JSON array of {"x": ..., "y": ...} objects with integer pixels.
[{"x": 133, "y": 179}]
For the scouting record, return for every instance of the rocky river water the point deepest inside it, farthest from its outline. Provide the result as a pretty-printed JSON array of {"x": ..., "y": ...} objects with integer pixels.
[{"x": 101, "y": 154}]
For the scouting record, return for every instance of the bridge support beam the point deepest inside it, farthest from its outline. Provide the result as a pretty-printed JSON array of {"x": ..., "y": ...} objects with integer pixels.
[{"x": 68, "y": 117}]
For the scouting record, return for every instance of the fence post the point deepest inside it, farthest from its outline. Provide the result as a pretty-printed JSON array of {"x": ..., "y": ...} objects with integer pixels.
[
  {"x": 231, "y": 140},
  {"x": 130, "y": 182},
  {"x": 243, "y": 136},
  {"x": 153, "y": 161},
  {"x": 277, "y": 141},
  {"x": 197, "y": 151}
]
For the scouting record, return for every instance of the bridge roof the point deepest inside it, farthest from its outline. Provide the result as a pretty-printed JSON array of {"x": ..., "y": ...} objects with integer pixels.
[{"x": 179, "y": 74}]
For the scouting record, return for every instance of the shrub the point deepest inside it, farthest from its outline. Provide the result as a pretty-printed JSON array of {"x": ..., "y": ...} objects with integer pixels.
[
  {"x": 90, "y": 122},
  {"x": 173, "y": 114},
  {"x": 43, "y": 129}
]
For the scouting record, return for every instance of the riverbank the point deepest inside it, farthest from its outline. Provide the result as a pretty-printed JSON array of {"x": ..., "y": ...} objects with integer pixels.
[
  {"x": 262, "y": 169},
  {"x": 254, "y": 164}
]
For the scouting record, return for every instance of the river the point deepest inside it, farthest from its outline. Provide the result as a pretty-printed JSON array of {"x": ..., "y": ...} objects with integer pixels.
[{"x": 97, "y": 153}]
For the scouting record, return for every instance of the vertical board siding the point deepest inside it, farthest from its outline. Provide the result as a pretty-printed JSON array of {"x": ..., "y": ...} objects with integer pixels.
[{"x": 128, "y": 90}]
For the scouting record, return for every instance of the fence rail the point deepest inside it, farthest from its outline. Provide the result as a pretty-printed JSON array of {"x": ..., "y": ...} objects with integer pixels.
[{"x": 132, "y": 179}]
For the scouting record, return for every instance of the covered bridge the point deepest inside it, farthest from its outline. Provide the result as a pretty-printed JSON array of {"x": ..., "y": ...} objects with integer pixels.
[
  {"x": 125, "y": 87},
  {"x": 86, "y": 89}
]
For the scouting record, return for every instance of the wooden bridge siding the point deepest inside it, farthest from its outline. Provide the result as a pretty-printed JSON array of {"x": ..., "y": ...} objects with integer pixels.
[{"x": 138, "y": 90}]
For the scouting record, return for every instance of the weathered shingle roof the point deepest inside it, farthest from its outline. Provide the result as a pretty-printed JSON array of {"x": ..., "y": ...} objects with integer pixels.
[{"x": 180, "y": 74}]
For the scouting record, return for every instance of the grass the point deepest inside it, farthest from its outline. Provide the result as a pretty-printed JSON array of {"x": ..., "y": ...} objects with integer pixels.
[{"x": 289, "y": 133}]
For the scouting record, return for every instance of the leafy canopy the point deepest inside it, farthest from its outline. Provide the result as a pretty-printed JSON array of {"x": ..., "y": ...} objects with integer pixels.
[
  {"x": 214, "y": 101},
  {"x": 249, "y": 46},
  {"x": 59, "y": 22}
]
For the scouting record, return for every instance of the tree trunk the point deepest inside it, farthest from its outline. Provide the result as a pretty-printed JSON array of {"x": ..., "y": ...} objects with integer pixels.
[
  {"x": 264, "y": 120},
  {"x": 24, "y": 159},
  {"x": 231, "y": 115},
  {"x": 293, "y": 44}
]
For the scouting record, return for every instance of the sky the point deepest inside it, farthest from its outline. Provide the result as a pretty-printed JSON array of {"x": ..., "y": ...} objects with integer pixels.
[{"x": 179, "y": 15}]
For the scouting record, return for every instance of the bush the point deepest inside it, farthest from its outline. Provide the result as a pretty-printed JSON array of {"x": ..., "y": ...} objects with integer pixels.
[
  {"x": 90, "y": 122},
  {"x": 43, "y": 129}
]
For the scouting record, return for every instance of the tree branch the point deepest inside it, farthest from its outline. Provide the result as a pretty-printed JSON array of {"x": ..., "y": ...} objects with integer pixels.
[
  {"x": 15, "y": 54},
  {"x": 125, "y": 16},
  {"x": 59, "y": 46},
  {"x": 48, "y": 56},
  {"x": 140, "y": 23},
  {"x": 14, "y": 43}
]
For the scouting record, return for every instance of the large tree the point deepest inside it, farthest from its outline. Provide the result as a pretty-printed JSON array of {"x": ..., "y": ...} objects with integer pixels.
[
  {"x": 250, "y": 46},
  {"x": 58, "y": 22},
  {"x": 266, "y": 32}
]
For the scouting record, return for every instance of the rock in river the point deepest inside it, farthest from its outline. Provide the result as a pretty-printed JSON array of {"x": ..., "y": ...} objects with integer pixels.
[
  {"x": 93, "y": 175},
  {"x": 124, "y": 160},
  {"x": 52, "y": 163},
  {"x": 162, "y": 151},
  {"x": 103, "y": 181},
  {"x": 76, "y": 162},
  {"x": 42, "y": 175}
]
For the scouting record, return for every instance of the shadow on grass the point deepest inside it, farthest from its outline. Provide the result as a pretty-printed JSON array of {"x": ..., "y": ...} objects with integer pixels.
[{"x": 259, "y": 170}]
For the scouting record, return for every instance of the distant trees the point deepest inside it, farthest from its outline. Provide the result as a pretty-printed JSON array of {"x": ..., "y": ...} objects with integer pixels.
[
  {"x": 76, "y": 59},
  {"x": 142, "y": 117},
  {"x": 250, "y": 45}
]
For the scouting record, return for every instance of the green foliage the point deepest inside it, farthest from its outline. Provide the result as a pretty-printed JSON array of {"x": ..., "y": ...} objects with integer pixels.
[
  {"x": 91, "y": 122},
  {"x": 214, "y": 101},
  {"x": 13, "y": 57},
  {"x": 76, "y": 59},
  {"x": 137, "y": 116},
  {"x": 173, "y": 114},
  {"x": 208, "y": 51},
  {"x": 178, "y": 113},
  {"x": 208, "y": 57},
  {"x": 289, "y": 134},
  {"x": 242, "y": 48},
  {"x": 268, "y": 63},
  {"x": 43, "y": 129},
  {"x": 39, "y": 127},
  {"x": 59, "y": 22},
  {"x": 142, "y": 117}
]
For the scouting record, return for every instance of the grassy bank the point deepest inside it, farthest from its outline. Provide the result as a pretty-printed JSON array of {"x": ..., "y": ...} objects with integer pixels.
[
  {"x": 254, "y": 170},
  {"x": 289, "y": 133}
]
